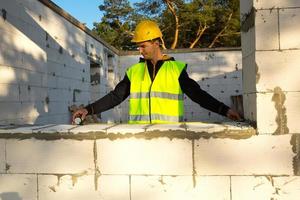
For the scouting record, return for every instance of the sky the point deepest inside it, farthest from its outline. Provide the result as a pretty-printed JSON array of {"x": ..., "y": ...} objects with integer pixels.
[{"x": 85, "y": 11}]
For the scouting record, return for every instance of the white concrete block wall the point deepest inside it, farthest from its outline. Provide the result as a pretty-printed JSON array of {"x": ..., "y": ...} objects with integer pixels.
[
  {"x": 53, "y": 58},
  {"x": 44, "y": 64},
  {"x": 217, "y": 72},
  {"x": 276, "y": 56},
  {"x": 181, "y": 161}
]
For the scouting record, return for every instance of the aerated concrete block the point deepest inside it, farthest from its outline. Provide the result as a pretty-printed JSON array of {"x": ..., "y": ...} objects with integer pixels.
[
  {"x": 253, "y": 156},
  {"x": 272, "y": 71},
  {"x": 23, "y": 129},
  {"x": 49, "y": 81},
  {"x": 292, "y": 104},
  {"x": 265, "y": 187},
  {"x": 18, "y": 187},
  {"x": 59, "y": 108},
  {"x": 9, "y": 111},
  {"x": 91, "y": 128},
  {"x": 180, "y": 187},
  {"x": 82, "y": 186},
  {"x": 260, "y": 4},
  {"x": 266, "y": 114},
  {"x": 60, "y": 128},
  {"x": 289, "y": 29},
  {"x": 109, "y": 184},
  {"x": 266, "y": 30},
  {"x": 140, "y": 156},
  {"x": 127, "y": 129},
  {"x": 252, "y": 187},
  {"x": 32, "y": 93},
  {"x": 9, "y": 92},
  {"x": 287, "y": 187},
  {"x": 29, "y": 77},
  {"x": 61, "y": 156},
  {"x": 277, "y": 112},
  {"x": 205, "y": 127},
  {"x": 7, "y": 74},
  {"x": 30, "y": 111}
]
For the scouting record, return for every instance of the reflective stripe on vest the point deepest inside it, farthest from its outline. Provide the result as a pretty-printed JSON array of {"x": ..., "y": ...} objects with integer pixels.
[
  {"x": 160, "y": 101},
  {"x": 164, "y": 95}
]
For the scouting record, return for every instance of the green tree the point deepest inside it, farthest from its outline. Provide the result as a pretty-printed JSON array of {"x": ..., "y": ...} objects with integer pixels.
[
  {"x": 184, "y": 23},
  {"x": 116, "y": 24}
]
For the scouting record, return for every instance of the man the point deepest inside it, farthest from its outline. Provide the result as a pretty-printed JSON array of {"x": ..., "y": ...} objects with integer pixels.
[{"x": 156, "y": 85}]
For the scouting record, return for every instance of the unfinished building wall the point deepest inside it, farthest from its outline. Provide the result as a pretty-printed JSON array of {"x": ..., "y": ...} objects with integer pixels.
[
  {"x": 271, "y": 58},
  {"x": 218, "y": 71},
  {"x": 185, "y": 161},
  {"x": 49, "y": 61},
  {"x": 45, "y": 63}
]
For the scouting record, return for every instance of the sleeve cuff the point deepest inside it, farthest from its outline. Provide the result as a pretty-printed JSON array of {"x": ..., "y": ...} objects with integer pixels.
[
  {"x": 223, "y": 109},
  {"x": 90, "y": 109}
]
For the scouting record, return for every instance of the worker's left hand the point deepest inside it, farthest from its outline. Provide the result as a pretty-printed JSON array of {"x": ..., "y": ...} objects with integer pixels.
[{"x": 232, "y": 114}]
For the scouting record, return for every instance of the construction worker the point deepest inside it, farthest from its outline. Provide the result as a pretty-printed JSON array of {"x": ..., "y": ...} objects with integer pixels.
[{"x": 155, "y": 85}]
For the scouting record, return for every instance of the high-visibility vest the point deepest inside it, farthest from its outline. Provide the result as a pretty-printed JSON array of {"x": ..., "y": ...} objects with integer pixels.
[{"x": 160, "y": 101}]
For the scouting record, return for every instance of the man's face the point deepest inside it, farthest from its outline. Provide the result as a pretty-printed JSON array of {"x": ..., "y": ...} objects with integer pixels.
[{"x": 147, "y": 49}]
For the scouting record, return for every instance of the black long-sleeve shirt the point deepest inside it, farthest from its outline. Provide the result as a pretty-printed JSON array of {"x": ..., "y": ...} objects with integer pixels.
[{"x": 188, "y": 86}]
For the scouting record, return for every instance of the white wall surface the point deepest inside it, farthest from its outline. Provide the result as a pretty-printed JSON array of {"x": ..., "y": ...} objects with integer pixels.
[
  {"x": 164, "y": 161},
  {"x": 45, "y": 68},
  {"x": 44, "y": 64},
  {"x": 271, "y": 65}
]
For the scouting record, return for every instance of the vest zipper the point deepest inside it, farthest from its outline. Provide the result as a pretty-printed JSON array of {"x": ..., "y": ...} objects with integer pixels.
[
  {"x": 150, "y": 103},
  {"x": 153, "y": 77}
]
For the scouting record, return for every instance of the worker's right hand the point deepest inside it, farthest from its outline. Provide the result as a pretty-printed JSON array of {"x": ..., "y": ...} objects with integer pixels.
[
  {"x": 82, "y": 113},
  {"x": 233, "y": 115}
]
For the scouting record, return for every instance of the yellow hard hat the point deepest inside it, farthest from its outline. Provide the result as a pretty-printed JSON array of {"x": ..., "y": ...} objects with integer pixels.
[{"x": 146, "y": 30}]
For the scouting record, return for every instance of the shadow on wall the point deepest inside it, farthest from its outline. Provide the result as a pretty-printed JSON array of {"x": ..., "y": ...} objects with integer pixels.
[
  {"x": 27, "y": 99},
  {"x": 10, "y": 196}
]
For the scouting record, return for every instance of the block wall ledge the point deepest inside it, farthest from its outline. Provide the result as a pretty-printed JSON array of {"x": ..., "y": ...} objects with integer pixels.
[{"x": 190, "y": 130}]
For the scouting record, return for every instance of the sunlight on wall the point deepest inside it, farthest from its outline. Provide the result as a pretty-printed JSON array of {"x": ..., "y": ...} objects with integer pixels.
[
  {"x": 7, "y": 75},
  {"x": 33, "y": 114},
  {"x": 197, "y": 76}
]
